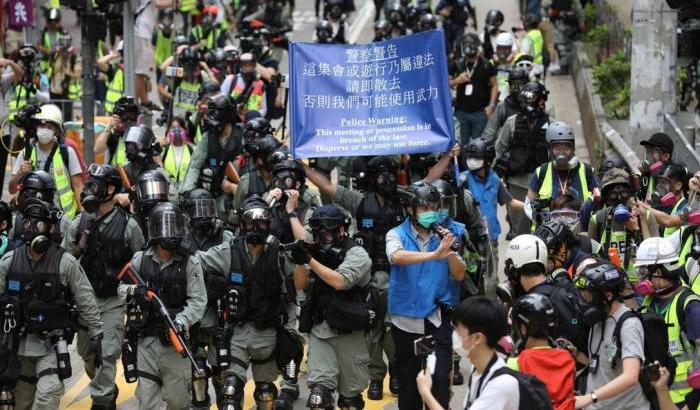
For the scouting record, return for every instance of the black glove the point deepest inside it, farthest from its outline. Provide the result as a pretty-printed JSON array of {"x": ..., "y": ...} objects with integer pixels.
[
  {"x": 139, "y": 293},
  {"x": 95, "y": 347},
  {"x": 298, "y": 253}
]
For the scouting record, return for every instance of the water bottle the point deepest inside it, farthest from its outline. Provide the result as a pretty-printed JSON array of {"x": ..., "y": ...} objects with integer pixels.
[{"x": 60, "y": 346}]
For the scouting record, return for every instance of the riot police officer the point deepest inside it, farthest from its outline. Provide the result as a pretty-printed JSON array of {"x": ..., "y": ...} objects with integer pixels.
[
  {"x": 151, "y": 189},
  {"x": 253, "y": 131},
  {"x": 111, "y": 139},
  {"x": 38, "y": 185},
  {"x": 220, "y": 143},
  {"x": 522, "y": 146},
  {"x": 42, "y": 281},
  {"x": 517, "y": 77},
  {"x": 206, "y": 231},
  {"x": 335, "y": 313},
  {"x": 254, "y": 302},
  {"x": 376, "y": 212},
  {"x": 103, "y": 237},
  {"x": 257, "y": 181},
  {"x": 176, "y": 277}
]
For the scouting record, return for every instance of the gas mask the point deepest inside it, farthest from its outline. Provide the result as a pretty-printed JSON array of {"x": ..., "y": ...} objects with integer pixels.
[
  {"x": 470, "y": 49},
  {"x": 136, "y": 154},
  {"x": 593, "y": 311},
  {"x": 256, "y": 225},
  {"x": 645, "y": 287},
  {"x": 206, "y": 226},
  {"x": 385, "y": 183},
  {"x": 212, "y": 122},
  {"x": 177, "y": 135},
  {"x": 323, "y": 36},
  {"x": 248, "y": 76},
  {"x": 35, "y": 233},
  {"x": 326, "y": 239},
  {"x": 45, "y": 135},
  {"x": 662, "y": 195},
  {"x": 503, "y": 53},
  {"x": 563, "y": 156},
  {"x": 336, "y": 12},
  {"x": 621, "y": 213},
  {"x": 169, "y": 244},
  {"x": 650, "y": 166},
  {"x": 94, "y": 193},
  {"x": 285, "y": 180}
]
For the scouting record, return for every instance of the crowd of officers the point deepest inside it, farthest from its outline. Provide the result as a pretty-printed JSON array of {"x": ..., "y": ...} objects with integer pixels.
[{"x": 199, "y": 258}]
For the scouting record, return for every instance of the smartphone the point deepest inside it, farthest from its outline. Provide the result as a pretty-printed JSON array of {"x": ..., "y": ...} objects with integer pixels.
[
  {"x": 423, "y": 346},
  {"x": 651, "y": 371}
]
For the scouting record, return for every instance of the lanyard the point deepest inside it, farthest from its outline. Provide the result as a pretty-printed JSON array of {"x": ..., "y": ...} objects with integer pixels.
[
  {"x": 481, "y": 381},
  {"x": 470, "y": 72},
  {"x": 562, "y": 187}
]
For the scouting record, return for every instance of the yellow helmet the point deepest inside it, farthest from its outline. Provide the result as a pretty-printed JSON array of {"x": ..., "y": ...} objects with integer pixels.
[{"x": 51, "y": 113}]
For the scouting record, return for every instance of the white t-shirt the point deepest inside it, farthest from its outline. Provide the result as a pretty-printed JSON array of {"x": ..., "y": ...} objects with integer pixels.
[
  {"x": 41, "y": 156},
  {"x": 501, "y": 393},
  {"x": 146, "y": 21}
]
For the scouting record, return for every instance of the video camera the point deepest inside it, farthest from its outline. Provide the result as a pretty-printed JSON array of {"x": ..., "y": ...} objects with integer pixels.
[
  {"x": 25, "y": 117},
  {"x": 27, "y": 55}
]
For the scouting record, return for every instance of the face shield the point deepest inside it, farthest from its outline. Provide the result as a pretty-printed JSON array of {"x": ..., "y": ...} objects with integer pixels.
[
  {"x": 447, "y": 208},
  {"x": 201, "y": 208},
  {"x": 152, "y": 190},
  {"x": 166, "y": 225},
  {"x": 255, "y": 224}
]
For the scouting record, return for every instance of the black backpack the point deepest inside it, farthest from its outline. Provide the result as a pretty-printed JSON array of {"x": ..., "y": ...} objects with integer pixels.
[
  {"x": 533, "y": 393},
  {"x": 655, "y": 349}
]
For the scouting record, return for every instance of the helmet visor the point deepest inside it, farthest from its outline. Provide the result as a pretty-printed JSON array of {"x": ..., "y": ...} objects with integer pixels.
[
  {"x": 166, "y": 225},
  {"x": 322, "y": 223},
  {"x": 202, "y": 208},
  {"x": 153, "y": 189},
  {"x": 256, "y": 218}
]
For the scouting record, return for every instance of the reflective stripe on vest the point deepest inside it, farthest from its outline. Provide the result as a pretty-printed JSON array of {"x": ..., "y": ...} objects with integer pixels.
[
  {"x": 177, "y": 172},
  {"x": 119, "y": 157},
  {"x": 187, "y": 96},
  {"x": 115, "y": 90},
  {"x": 189, "y": 6},
  {"x": 14, "y": 104},
  {"x": 619, "y": 237},
  {"x": 75, "y": 90},
  {"x": 676, "y": 346},
  {"x": 164, "y": 47},
  {"x": 62, "y": 180},
  {"x": 671, "y": 229},
  {"x": 535, "y": 37},
  {"x": 198, "y": 134},
  {"x": 255, "y": 99},
  {"x": 548, "y": 182}
]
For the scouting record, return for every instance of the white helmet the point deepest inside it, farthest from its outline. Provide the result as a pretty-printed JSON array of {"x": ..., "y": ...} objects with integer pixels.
[
  {"x": 504, "y": 40},
  {"x": 526, "y": 249},
  {"x": 656, "y": 251},
  {"x": 51, "y": 113}
]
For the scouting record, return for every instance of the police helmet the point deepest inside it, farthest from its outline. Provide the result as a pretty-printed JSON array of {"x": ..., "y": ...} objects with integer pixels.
[
  {"x": 328, "y": 218},
  {"x": 427, "y": 22},
  {"x": 166, "y": 225},
  {"x": 199, "y": 203},
  {"x": 139, "y": 142},
  {"x": 255, "y": 219},
  {"x": 324, "y": 31},
  {"x": 421, "y": 194},
  {"x": 481, "y": 148},
  {"x": 37, "y": 184},
  {"x": 152, "y": 188},
  {"x": 220, "y": 111},
  {"x": 494, "y": 18}
]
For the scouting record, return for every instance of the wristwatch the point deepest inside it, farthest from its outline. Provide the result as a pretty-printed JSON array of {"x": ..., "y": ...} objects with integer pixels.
[
  {"x": 594, "y": 398},
  {"x": 292, "y": 214}
]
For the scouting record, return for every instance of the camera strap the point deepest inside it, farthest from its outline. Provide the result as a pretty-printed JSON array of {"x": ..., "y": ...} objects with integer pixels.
[{"x": 141, "y": 9}]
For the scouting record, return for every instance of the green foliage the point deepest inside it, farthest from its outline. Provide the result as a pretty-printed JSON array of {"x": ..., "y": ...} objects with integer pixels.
[
  {"x": 597, "y": 36},
  {"x": 611, "y": 78},
  {"x": 590, "y": 16}
]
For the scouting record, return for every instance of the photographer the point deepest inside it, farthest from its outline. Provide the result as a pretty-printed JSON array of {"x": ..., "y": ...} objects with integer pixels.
[
  {"x": 258, "y": 43},
  {"x": 208, "y": 34},
  {"x": 112, "y": 65},
  {"x": 62, "y": 67},
  {"x": 49, "y": 154},
  {"x": 111, "y": 140},
  {"x": 246, "y": 88},
  {"x": 25, "y": 82},
  {"x": 187, "y": 81}
]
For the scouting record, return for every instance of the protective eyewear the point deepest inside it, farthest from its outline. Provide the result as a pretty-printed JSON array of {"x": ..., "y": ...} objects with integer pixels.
[
  {"x": 201, "y": 208},
  {"x": 327, "y": 224}
]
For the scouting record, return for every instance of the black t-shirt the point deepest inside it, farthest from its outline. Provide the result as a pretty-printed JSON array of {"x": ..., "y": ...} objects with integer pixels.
[{"x": 481, "y": 74}]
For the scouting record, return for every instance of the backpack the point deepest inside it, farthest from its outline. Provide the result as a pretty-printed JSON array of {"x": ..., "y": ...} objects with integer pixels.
[
  {"x": 655, "y": 348},
  {"x": 533, "y": 393}
]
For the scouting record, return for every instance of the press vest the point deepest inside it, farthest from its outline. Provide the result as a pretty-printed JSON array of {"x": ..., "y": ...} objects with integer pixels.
[
  {"x": 373, "y": 222},
  {"x": 177, "y": 171},
  {"x": 668, "y": 231},
  {"x": 451, "y": 296},
  {"x": 678, "y": 343},
  {"x": 163, "y": 48},
  {"x": 15, "y": 104},
  {"x": 62, "y": 180},
  {"x": 547, "y": 186},
  {"x": 415, "y": 289},
  {"x": 529, "y": 147},
  {"x": 37, "y": 286},
  {"x": 115, "y": 90},
  {"x": 537, "y": 41},
  {"x": 261, "y": 280},
  {"x": 255, "y": 98},
  {"x": 119, "y": 156},
  {"x": 106, "y": 252},
  {"x": 187, "y": 95}
]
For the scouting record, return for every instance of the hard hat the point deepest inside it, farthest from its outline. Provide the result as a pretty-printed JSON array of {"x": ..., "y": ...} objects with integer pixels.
[
  {"x": 51, "y": 113},
  {"x": 504, "y": 40},
  {"x": 524, "y": 250},
  {"x": 655, "y": 251},
  {"x": 559, "y": 131}
]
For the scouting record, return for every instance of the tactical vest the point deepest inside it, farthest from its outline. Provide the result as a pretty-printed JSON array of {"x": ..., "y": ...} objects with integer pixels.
[
  {"x": 170, "y": 285},
  {"x": 106, "y": 252},
  {"x": 678, "y": 343},
  {"x": 261, "y": 282},
  {"x": 529, "y": 146},
  {"x": 373, "y": 222},
  {"x": 217, "y": 156},
  {"x": 322, "y": 295},
  {"x": 256, "y": 184},
  {"x": 281, "y": 227},
  {"x": 216, "y": 284},
  {"x": 43, "y": 299},
  {"x": 60, "y": 173}
]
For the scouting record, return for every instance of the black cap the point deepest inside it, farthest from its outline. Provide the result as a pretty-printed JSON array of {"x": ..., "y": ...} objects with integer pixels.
[{"x": 660, "y": 140}]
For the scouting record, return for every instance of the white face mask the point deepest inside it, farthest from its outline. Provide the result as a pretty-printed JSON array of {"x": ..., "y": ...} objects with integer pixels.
[
  {"x": 458, "y": 345},
  {"x": 475, "y": 163},
  {"x": 45, "y": 135}
]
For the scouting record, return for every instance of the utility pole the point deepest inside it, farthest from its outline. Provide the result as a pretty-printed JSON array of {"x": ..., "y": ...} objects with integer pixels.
[
  {"x": 653, "y": 74},
  {"x": 87, "y": 47},
  {"x": 129, "y": 75}
]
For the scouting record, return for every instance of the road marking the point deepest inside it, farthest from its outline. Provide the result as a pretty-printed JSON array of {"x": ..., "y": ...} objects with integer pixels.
[{"x": 365, "y": 14}]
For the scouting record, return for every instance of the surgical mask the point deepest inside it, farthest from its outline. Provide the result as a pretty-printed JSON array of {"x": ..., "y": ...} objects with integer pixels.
[
  {"x": 458, "y": 345},
  {"x": 475, "y": 163},
  {"x": 443, "y": 215},
  {"x": 45, "y": 135},
  {"x": 427, "y": 218}
]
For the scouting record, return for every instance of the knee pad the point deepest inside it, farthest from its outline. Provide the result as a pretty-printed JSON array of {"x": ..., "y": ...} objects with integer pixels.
[
  {"x": 320, "y": 398},
  {"x": 232, "y": 394},
  {"x": 291, "y": 372},
  {"x": 7, "y": 399},
  {"x": 200, "y": 384},
  {"x": 265, "y": 395},
  {"x": 351, "y": 403}
]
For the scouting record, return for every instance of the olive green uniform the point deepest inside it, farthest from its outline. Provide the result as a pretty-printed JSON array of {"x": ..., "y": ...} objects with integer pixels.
[
  {"x": 36, "y": 354},
  {"x": 112, "y": 309}
]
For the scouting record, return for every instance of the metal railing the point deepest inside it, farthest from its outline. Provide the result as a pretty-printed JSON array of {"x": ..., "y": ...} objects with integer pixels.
[{"x": 684, "y": 145}]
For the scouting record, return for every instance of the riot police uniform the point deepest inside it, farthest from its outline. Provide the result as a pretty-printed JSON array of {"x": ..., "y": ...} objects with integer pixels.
[
  {"x": 336, "y": 312},
  {"x": 176, "y": 277},
  {"x": 221, "y": 142},
  {"x": 103, "y": 238},
  {"x": 517, "y": 77},
  {"x": 141, "y": 147},
  {"x": 205, "y": 232},
  {"x": 39, "y": 282},
  {"x": 253, "y": 131},
  {"x": 259, "y": 180},
  {"x": 253, "y": 299}
]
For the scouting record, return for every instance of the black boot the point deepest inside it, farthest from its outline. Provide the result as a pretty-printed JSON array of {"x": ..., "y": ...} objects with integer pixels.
[
  {"x": 394, "y": 385},
  {"x": 285, "y": 401},
  {"x": 375, "y": 390}
]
